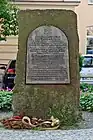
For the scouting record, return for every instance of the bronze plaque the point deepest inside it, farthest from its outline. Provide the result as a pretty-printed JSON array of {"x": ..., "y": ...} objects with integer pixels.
[{"x": 47, "y": 56}]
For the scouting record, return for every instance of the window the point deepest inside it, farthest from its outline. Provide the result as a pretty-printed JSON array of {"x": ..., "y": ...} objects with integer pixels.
[
  {"x": 88, "y": 61},
  {"x": 89, "y": 40},
  {"x": 90, "y": 1}
]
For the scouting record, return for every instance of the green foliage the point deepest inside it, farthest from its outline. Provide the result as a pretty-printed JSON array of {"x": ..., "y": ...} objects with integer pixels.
[
  {"x": 86, "y": 98},
  {"x": 8, "y": 19},
  {"x": 80, "y": 62},
  {"x": 66, "y": 115},
  {"x": 86, "y": 87},
  {"x": 86, "y": 102},
  {"x": 5, "y": 100}
]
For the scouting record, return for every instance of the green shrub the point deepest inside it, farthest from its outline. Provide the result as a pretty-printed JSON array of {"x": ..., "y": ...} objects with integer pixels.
[
  {"x": 5, "y": 100},
  {"x": 86, "y": 102}
]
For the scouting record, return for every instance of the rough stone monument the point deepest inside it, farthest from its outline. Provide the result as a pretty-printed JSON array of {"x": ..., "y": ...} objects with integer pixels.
[{"x": 47, "y": 80}]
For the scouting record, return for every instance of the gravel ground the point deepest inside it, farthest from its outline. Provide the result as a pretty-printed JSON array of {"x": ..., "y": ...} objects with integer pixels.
[
  {"x": 87, "y": 121},
  {"x": 84, "y": 131},
  {"x": 82, "y": 134},
  {"x": 5, "y": 114}
]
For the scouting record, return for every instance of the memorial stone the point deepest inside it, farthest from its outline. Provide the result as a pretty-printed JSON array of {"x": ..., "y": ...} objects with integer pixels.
[{"x": 47, "y": 70}]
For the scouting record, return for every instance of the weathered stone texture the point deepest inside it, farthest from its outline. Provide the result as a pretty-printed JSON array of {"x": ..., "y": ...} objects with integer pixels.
[{"x": 45, "y": 100}]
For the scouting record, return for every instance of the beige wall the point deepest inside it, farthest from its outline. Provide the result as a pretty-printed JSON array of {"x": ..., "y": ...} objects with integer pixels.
[
  {"x": 85, "y": 18},
  {"x": 8, "y": 49}
]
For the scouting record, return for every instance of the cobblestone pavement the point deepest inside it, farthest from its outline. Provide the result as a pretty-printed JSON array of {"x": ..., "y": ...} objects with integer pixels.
[{"x": 82, "y": 134}]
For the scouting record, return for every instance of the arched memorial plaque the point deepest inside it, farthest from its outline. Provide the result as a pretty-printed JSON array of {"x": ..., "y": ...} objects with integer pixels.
[{"x": 47, "y": 56}]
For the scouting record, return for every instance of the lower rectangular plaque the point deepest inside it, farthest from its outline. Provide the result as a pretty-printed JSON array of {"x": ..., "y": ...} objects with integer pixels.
[{"x": 47, "y": 69}]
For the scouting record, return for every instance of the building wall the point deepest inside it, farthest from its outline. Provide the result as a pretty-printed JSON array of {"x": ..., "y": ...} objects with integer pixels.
[
  {"x": 84, "y": 14},
  {"x": 8, "y": 49}
]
